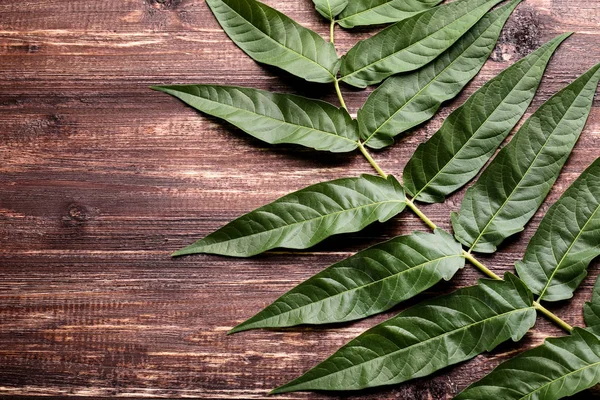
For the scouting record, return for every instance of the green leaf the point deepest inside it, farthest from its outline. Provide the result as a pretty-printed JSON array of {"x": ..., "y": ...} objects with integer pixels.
[
  {"x": 567, "y": 240},
  {"x": 375, "y": 12},
  {"x": 559, "y": 368},
  {"x": 516, "y": 183},
  {"x": 306, "y": 217},
  {"x": 591, "y": 309},
  {"x": 411, "y": 43},
  {"x": 367, "y": 283},
  {"x": 405, "y": 101},
  {"x": 272, "y": 38},
  {"x": 472, "y": 133},
  {"x": 426, "y": 338},
  {"x": 330, "y": 8},
  {"x": 273, "y": 117}
]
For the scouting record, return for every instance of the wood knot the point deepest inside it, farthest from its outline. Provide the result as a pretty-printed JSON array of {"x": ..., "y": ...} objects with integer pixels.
[
  {"x": 77, "y": 214},
  {"x": 164, "y": 4},
  {"x": 521, "y": 35}
]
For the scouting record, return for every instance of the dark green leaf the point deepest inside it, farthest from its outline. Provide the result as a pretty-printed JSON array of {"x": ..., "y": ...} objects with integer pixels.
[
  {"x": 330, "y": 8},
  {"x": 426, "y": 338},
  {"x": 514, "y": 185},
  {"x": 404, "y": 101},
  {"x": 472, "y": 133},
  {"x": 411, "y": 43},
  {"x": 274, "y": 117},
  {"x": 559, "y": 368},
  {"x": 367, "y": 283},
  {"x": 375, "y": 12},
  {"x": 591, "y": 309},
  {"x": 306, "y": 217},
  {"x": 567, "y": 240},
  {"x": 271, "y": 38}
]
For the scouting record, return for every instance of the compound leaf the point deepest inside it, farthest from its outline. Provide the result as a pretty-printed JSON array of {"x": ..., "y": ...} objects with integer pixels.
[
  {"x": 306, "y": 217},
  {"x": 274, "y": 117},
  {"x": 330, "y": 8},
  {"x": 411, "y": 43},
  {"x": 371, "y": 281},
  {"x": 426, "y": 338},
  {"x": 375, "y": 12},
  {"x": 567, "y": 240},
  {"x": 270, "y": 37},
  {"x": 559, "y": 368},
  {"x": 516, "y": 183},
  {"x": 472, "y": 133},
  {"x": 405, "y": 101}
]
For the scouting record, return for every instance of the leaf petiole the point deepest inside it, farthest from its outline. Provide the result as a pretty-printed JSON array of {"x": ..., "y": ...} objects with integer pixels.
[
  {"x": 332, "y": 31},
  {"x": 410, "y": 203},
  {"x": 371, "y": 161},
  {"x": 339, "y": 94},
  {"x": 480, "y": 266},
  {"x": 553, "y": 317}
]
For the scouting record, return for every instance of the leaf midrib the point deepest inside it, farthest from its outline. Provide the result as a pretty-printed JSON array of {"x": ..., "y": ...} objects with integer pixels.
[
  {"x": 466, "y": 327},
  {"x": 456, "y": 21},
  {"x": 379, "y": 281},
  {"x": 428, "y": 85},
  {"x": 278, "y": 120},
  {"x": 518, "y": 185},
  {"x": 455, "y": 156},
  {"x": 560, "y": 378},
  {"x": 558, "y": 266},
  {"x": 280, "y": 44},
  {"x": 375, "y": 204}
]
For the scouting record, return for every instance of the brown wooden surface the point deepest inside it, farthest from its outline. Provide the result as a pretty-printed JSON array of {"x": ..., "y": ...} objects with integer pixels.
[{"x": 101, "y": 179}]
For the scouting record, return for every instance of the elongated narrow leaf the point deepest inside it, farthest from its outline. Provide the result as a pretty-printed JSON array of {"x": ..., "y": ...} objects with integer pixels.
[
  {"x": 274, "y": 117},
  {"x": 472, "y": 133},
  {"x": 411, "y": 43},
  {"x": 271, "y": 38},
  {"x": 591, "y": 310},
  {"x": 404, "y": 101},
  {"x": 330, "y": 8},
  {"x": 514, "y": 185},
  {"x": 367, "y": 283},
  {"x": 306, "y": 217},
  {"x": 426, "y": 338},
  {"x": 559, "y": 368},
  {"x": 375, "y": 12},
  {"x": 567, "y": 240}
]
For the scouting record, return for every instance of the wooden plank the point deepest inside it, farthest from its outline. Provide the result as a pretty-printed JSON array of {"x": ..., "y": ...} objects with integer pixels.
[{"x": 102, "y": 179}]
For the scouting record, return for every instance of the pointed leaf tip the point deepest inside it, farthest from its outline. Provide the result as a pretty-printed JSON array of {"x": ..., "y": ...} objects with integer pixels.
[
  {"x": 471, "y": 134},
  {"x": 307, "y": 217},
  {"x": 516, "y": 182},
  {"x": 371, "y": 281},
  {"x": 412, "y": 98},
  {"x": 465, "y": 323},
  {"x": 274, "y": 118}
]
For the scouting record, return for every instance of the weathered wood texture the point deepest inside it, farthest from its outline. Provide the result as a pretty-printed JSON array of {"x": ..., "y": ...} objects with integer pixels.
[{"x": 102, "y": 178}]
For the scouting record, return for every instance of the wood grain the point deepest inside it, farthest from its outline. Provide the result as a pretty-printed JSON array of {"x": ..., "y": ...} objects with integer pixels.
[{"x": 101, "y": 179}]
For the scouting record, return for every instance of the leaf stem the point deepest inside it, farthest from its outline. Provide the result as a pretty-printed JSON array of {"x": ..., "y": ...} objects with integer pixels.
[
  {"x": 410, "y": 203},
  {"x": 371, "y": 161},
  {"x": 332, "y": 32},
  {"x": 553, "y": 317},
  {"x": 336, "y": 82},
  {"x": 480, "y": 266}
]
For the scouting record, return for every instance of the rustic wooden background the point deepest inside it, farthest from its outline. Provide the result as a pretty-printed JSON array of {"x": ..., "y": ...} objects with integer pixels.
[{"x": 102, "y": 178}]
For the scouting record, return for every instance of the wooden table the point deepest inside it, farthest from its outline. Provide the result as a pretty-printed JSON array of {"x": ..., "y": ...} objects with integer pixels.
[{"x": 102, "y": 178}]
